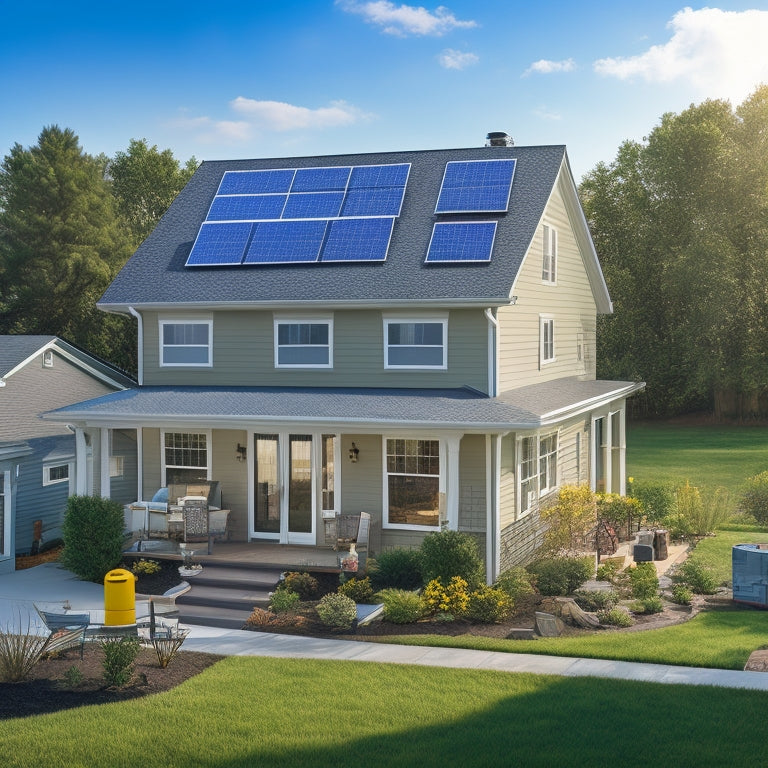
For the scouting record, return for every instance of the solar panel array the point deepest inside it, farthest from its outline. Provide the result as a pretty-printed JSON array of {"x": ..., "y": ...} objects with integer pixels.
[
  {"x": 301, "y": 215},
  {"x": 461, "y": 242},
  {"x": 476, "y": 186}
]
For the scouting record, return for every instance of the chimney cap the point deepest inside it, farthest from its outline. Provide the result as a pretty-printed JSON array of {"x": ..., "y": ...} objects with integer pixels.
[{"x": 499, "y": 139}]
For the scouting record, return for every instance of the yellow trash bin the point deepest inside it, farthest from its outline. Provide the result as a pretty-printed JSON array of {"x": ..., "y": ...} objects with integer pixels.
[{"x": 119, "y": 598}]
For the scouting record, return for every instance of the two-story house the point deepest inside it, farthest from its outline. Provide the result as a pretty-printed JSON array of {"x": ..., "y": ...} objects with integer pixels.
[{"x": 410, "y": 334}]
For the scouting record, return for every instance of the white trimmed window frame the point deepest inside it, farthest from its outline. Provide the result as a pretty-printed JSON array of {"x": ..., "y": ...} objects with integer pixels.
[
  {"x": 303, "y": 320},
  {"x": 53, "y": 473},
  {"x": 442, "y": 448},
  {"x": 188, "y": 321},
  {"x": 535, "y": 467},
  {"x": 441, "y": 320},
  {"x": 208, "y": 450},
  {"x": 549, "y": 260},
  {"x": 547, "y": 352}
]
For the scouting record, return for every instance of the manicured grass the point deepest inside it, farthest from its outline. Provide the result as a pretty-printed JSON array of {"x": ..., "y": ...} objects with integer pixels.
[
  {"x": 708, "y": 456},
  {"x": 248, "y": 712},
  {"x": 715, "y": 551}
]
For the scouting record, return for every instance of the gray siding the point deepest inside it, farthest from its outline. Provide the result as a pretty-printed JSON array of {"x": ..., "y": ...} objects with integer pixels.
[
  {"x": 233, "y": 479},
  {"x": 122, "y": 488},
  {"x": 473, "y": 509}
]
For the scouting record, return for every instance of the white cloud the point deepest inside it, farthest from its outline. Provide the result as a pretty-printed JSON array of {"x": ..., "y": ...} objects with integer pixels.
[
  {"x": 547, "y": 67},
  {"x": 279, "y": 116},
  {"x": 721, "y": 53},
  {"x": 452, "y": 59},
  {"x": 403, "y": 20},
  {"x": 547, "y": 114},
  {"x": 209, "y": 131}
]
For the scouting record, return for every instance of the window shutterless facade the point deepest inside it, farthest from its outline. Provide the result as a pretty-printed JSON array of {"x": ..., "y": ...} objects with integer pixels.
[
  {"x": 304, "y": 343},
  {"x": 186, "y": 343},
  {"x": 546, "y": 340},
  {"x": 415, "y": 343},
  {"x": 549, "y": 263},
  {"x": 537, "y": 467},
  {"x": 185, "y": 457},
  {"x": 412, "y": 483},
  {"x": 55, "y": 473}
]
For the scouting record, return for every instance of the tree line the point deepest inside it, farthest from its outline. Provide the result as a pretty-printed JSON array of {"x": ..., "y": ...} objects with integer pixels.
[{"x": 68, "y": 223}]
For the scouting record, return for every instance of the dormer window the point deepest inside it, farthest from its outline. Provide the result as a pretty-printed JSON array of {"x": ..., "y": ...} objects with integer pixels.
[{"x": 549, "y": 264}]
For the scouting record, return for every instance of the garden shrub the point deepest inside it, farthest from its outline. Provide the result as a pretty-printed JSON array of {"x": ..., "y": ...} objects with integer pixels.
[
  {"x": 401, "y": 606},
  {"x": 647, "y": 605},
  {"x": 607, "y": 571},
  {"x": 489, "y": 605},
  {"x": 618, "y": 511},
  {"x": 359, "y": 590},
  {"x": 284, "y": 600},
  {"x": 657, "y": 501},
  {"x": 144, "y": 567},
  {"x": 699, "y": 578},
  {"x": 396, "y": 568},
  {"x": 119, "y": 657},
  {"x": 451, "y": 599},
  {"x": 93, "y": 537},
  {"x": 681, "y": 594},
  {"x": 304, "y": 584},
  {"x": 337, "y": 610},
  {"x": 616, "y": 617},
  {"x": 446, "y": 554},
  {"x": 263, "y": 618},
  {"x": 754, "y": 499},
  {"x": 595, "y": 600},
  {"x": 19, "y": 652},
  {"x": 570, "y": 520},
  {"x": 644, "y": 581},
  {"x": 560, "y": 575},
  {"x": 699, "y": 513},
  {"x": 516, "y": 582}
]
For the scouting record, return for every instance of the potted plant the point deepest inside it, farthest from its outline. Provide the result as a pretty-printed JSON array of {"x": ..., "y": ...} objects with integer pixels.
[{"x": 189, "y": 568}]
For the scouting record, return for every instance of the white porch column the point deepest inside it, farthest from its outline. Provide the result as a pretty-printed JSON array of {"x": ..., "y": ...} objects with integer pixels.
[
  {"x": 104, "y": 480},
  {"x": 452, "y": 485},
  {"x": 493, "y": 510},
  {"x": 81, "y": 463},
  {"x": 623, "y": 450}
]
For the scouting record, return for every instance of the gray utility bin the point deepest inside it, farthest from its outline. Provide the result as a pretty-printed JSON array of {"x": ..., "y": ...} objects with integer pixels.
[
  {"x": 642, "y": 553},
  {"x": 750, "y": 574}
]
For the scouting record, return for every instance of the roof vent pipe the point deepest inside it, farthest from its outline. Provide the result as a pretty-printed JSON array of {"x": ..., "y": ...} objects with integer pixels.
[{"x": 499, "y": 139}]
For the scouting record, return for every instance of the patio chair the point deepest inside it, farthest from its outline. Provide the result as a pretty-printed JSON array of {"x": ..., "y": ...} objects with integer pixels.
[
  {"x": 353, "y": 529},
  {"x": 67, "y": 630},
  {"x": 194, "y": 510}
]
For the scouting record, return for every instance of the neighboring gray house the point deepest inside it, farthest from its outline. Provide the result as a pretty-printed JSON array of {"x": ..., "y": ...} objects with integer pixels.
[
  {"x": 37, "y": 458},
  {"x": 410, "y": 334}
]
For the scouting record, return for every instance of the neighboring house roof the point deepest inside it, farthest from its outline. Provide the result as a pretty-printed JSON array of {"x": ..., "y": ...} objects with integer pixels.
[
  {"x": 460, "y": 408},
  {"x": 156, "y": 275},
  {"x": 14, "y": 450}
]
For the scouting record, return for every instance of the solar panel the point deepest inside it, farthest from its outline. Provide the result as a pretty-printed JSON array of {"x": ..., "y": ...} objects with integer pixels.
[
  {"x": 313, "y": 205},
  {"x": 461, "y": 242},
  {"x": 220, "y": 244},
  {"x": 256, "y": 182},
  {"x": 321, "y": 179},
  {"x": 246, "y": 207},
  {"x": 476, "y": 185},
  {"x": 379, "y": 176},
  {"x": 286, "y": 242},
  {"x": 358, "y": 240},
  {"x": 386, "y": 201}
]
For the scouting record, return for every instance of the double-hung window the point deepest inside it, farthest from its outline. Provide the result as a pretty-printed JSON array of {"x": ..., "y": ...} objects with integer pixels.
[
  {"x": 547, "y": 463},
  {"x": 55, "y": 473},
  {"x": 549, "y": 264},
  {"x": 186, "y": 343},
  {"x": 546, "y": 340},
  {"x": 303, "y": 343},
  {"x": 415, "y": 343},
  {"x": 538, "y": 469},
  {"x": 412, "y": 483},
  {"x": 185, "y": 457}
]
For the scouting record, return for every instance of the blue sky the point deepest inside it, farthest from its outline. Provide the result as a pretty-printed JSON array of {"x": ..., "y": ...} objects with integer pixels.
[{"x": 271, "y": 79}]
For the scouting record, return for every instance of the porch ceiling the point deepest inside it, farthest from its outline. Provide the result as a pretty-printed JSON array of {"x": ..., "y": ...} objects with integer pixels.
[{"x": 359, "y": 408}]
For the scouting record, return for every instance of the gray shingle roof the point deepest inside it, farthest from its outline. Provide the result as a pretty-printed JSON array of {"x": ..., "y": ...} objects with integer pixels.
[
  {"x": 156, "y": 273},
  {"x": 16, "y": 349}
]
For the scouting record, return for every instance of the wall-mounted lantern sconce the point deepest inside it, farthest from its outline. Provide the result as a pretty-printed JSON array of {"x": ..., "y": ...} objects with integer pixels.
[
  {"x": 241, "y": 452},
  {"x": 353, "y": 452}
]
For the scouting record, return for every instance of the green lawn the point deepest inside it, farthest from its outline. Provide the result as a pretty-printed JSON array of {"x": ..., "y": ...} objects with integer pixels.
[
  {"x": 715, "y": 551},
  {"x": 250, "y": 712}
]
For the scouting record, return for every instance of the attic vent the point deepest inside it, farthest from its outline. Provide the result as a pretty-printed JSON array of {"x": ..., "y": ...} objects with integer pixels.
[
  {"x": 48, "y": 359},
  {"x": 499, "y": 139}
]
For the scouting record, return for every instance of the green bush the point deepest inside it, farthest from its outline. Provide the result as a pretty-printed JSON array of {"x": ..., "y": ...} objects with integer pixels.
[
  {"x": 681, "y": 594},
  {"x": 618, "y": 511},
  {"x": 607, "y": 571},
  {"x": 489, "y": 605},
  {"x": 396, "y": 568},
  {"x": 754, "y": 499},
  {"x": 699, "y": 578},
  {"x": 648, "y": 605},
  {"x": 93, "y": 537},
  {"x": 359, "y": 590},
  {"x": 284, "y": 600},
  {"x": 449, "y": 600},
  {"x": 560, "y": 575},
  {"x": 616, "y": 617},
  {"x": 700, "y": 512},
  {"x": 644, "y": 581},
  {"x": 303, "y": 584},
  {"x": 516, "y": 582},
  {"x": 446, "y": 554},
  {"x": 337, "y": 610},
  {"x": 119, "y": 657},
  {"x": 401, "y": 606},
  {"x": 657, "y": 501},
  {"x": 595, "y": 600}
]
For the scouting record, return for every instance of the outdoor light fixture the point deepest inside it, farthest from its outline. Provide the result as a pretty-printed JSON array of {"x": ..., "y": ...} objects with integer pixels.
[
  {"x": 241, "y": 452},
  {"x": 353, "y": 451}
]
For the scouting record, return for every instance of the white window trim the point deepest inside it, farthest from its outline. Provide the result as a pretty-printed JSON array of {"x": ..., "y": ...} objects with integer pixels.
[
  {"x": 552, "y": 486},
  {"x": 189, "y": 431},
  {"x": 549, "y": 257},
  {"x": 397, "y": 320},
  {"x": 5, "y": 520},
  {"x": 48, "y": 358},
  {"x": 385, "y": 485},
  {"x": 186, "y": 320},
  {"x": 304, "y": 320},
  {"x": 543, "y": 321},
  {"x": 539, "y": 493},
  {"x": 55, "y": 465}
]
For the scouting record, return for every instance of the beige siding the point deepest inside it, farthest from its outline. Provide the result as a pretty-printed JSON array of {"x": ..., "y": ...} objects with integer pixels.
[
  {"x": 151, "y": 479},
  {"x": 473, "y": 510},
  {"x": 569, "y": 302},
  {"x": 243, "y": 353},
  {"x": 233, "y": 479}
]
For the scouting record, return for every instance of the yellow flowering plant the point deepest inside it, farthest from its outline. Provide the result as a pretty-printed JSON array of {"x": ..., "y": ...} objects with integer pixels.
[{"x": 452, "y": 599}]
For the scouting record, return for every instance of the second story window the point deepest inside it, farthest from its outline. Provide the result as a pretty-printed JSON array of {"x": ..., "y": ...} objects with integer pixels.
[
  {"x": 546, "y": 340},
  {"x": 549, "y": 264},
  {"x": 306, "y": 343},
  {"x": 186, "y": 343},
  {"x": 415, "y": 343}
]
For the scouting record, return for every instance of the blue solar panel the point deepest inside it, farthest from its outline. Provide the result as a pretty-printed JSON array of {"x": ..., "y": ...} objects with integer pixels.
[
  {"x": 462, "y": 242},
  {"x": 313, "y": 205},
  {"x": 366, "y": 176},
  {"x": 286, "y": 242},
  {"x": 219, "y": 244},
  {"x": 386, "y": 201},
  {"x": 256, "y": 182},
  {"x": 246, "y": 207},
  {"x": 477, "y": 185},
  {"x": 321, "y": 179},
  {"x": 358, "y": 240}
]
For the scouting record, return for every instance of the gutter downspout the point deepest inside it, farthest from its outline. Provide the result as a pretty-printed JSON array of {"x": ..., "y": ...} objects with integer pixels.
[
  {"x": 139, "y": 346},
  {"x": 493, "y": 343}
]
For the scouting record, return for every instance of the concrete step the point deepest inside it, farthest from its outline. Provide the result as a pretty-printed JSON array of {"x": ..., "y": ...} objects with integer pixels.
[
  {"x": 236, "y": 598},
  {"x": 236, "y": 578},
  {"x": 213, "y": 617}
]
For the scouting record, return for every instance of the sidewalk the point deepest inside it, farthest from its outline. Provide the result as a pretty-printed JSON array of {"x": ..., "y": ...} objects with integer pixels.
[{"x": 51, "y": 585}]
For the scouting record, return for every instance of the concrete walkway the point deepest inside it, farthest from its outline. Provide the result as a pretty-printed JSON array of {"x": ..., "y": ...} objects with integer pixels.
[{"x": 51, "y": 585}]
